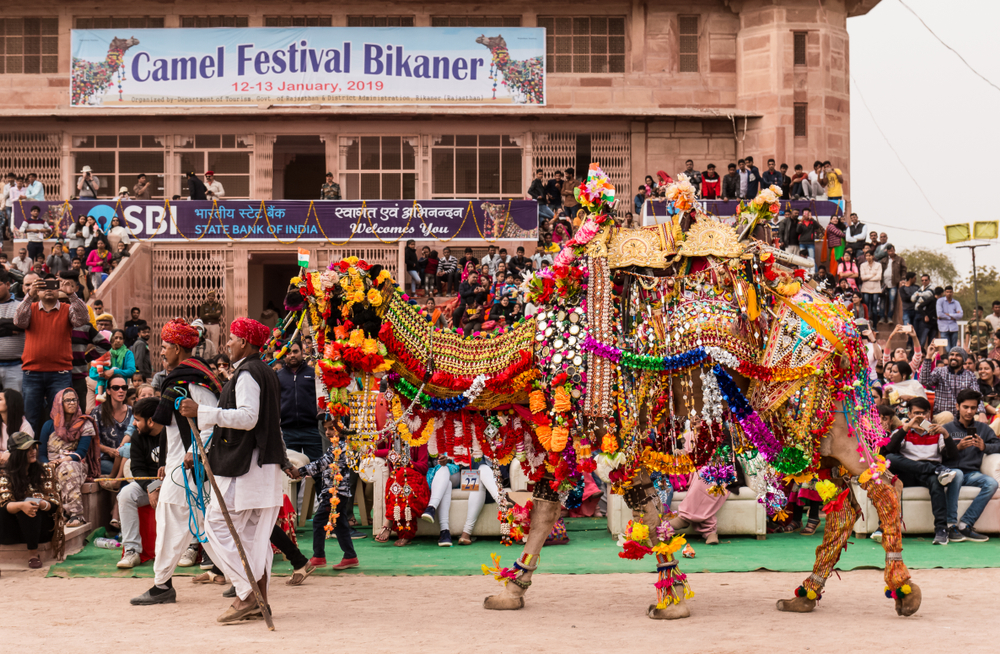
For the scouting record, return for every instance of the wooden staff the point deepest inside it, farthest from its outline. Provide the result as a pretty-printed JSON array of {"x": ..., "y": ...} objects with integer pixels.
[{"x": 232, "y": 530}]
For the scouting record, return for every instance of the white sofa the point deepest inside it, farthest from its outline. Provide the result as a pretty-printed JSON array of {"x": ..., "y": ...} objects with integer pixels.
[
  {"x": 486, "y": 525},
  {"x": 742, "y": 514},
  {"x": 917, "y": 515}
]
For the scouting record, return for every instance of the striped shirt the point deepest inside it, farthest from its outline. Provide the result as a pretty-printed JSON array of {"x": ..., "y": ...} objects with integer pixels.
[{"x": 11, "y": 347}]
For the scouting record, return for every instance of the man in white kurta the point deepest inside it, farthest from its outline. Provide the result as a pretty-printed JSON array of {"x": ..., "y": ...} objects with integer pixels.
[
  {"x": 173, "y": 518},
  {"x": 253, "y": 498}
]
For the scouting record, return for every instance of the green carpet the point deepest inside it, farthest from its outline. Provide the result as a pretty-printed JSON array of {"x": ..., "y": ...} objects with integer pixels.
[{"x": 591, "y": 550}]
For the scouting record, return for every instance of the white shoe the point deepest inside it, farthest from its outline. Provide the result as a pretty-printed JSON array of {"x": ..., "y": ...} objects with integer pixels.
[
  {"x": 188, "y": 558},
  {"x": 129, "y": 560},
  {"x": 945, "y": 477}
]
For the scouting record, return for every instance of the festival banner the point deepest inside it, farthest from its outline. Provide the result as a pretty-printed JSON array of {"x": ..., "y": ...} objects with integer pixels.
[
  {"x": 308, "y": 65},
  {"x": 288, "y": 221}
]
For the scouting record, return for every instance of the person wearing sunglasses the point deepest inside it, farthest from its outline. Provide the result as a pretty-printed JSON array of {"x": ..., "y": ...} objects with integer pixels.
[{"x": 114, "y": 429}]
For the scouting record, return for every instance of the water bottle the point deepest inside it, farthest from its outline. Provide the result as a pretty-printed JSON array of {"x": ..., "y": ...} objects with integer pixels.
[{"x": 106, "y": 543}]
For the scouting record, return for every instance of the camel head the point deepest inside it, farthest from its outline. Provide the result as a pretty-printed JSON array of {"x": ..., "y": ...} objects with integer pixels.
[
  {"x": 123, "y": 44},
  {"x": 492, "y": 42}
]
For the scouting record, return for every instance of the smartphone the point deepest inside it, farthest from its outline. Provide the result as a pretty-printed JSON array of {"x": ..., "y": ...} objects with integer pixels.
[
  {"x": 33, "y": 500},
  {"x": 925, "y": 425},
  {"x": 52, "y": 284},
  {"x": 940, "y": 342}
]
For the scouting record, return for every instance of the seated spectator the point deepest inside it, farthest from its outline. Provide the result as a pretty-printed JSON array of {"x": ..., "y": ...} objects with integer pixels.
[
  {"x": 473, "y": 319},
  {"x": 812, "y": 186},
  {"x": 900, "y": 387},
  {"x": 988, "y": 372},
  {"x": 858, "y": 307},
  {"x": 327, "y": 469},
  {"x": 11, "y": 419},
  {"x": 798, "y": 177},
  {"x": 141, "y": 492},
  {"x": 711, "y": 184},
  {"x": 29, "y": 499},
  {"x": 434, "y": 315},
  {"x": 915, "y": 454},
  {"x": 517, "y": 313},
  {"x": 699, "y": 507},
  {"x": 519, "y": 264},
  {"x": 972, "y": 440},
  {"x": 640, "y": 199},
  {"x": 69, "y": 442},
  {"x": 448, "y": 273},
  {"x": 113, "y": 418},
  {"x": 948, "y": 381},
  {"x": 848, "y": 270},
  {"x": 823, "y": 277}
]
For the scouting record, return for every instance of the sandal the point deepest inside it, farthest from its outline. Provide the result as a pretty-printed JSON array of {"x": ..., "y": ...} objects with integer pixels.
[
  {"x": 209, "y": 578},
  {"x": 383, "y": 535},
  {"x": 400, "y": 542},
  {"x": 298, "y": 576},
  {"x": 75, "y": 521},
  {"x": 810, "y": 528},
  {"x": 465, "y": 539},
  {"x": 34, "y": 563}
]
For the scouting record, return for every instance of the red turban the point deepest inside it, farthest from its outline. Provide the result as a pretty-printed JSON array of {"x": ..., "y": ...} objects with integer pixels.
[
  {"x": 253, "y": 332},
  {"x": 179, "y": 332}
]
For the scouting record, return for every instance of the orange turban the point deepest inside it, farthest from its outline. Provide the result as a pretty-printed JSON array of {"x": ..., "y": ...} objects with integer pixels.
[
  {"x": 253, "y": 332},
  {"x": 179, "y": 332}
]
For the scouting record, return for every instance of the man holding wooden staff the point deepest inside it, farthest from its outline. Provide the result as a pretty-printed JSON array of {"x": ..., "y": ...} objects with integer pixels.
[{"x": 245, "y": 456}]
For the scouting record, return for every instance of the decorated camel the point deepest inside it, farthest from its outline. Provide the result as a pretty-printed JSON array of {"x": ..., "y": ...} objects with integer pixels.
[
  {"x": 687, "y": 346},
  {"x": 522, "y": 78},
  {"x": 92, "y": 78}
]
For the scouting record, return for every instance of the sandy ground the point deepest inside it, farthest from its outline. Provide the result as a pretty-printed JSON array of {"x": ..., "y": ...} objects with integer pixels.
[{"x": 733, "y": 612}]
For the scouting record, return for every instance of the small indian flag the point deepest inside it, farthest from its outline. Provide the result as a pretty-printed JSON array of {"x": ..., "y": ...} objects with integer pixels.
[{"x": 303, "y": 258}]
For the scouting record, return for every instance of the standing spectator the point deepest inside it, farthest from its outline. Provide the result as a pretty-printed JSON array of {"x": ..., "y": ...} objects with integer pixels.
[
  {"x": 788, "y": 231},
  {"x": 299, "y": 425},
  {"x": 772, "y": 176},
  {"x": 949, "y": 312},
  {"x": 412, "y": 266},
  {"x": 745, "y": 177},
  {"x": 47, "y": 315},
  {"x": 711, "y": 183},
  {"x": 798, "y": 178},
  {"x": 693, "y": 176},
  {"x": 142, "y": 189},
  {"x": 848, "y": 270},
  {"x": 35, "y": 229},
  {"x": 6, "y": 210},
  {"x": 553, "y": 192},
  {"x": 924, "y": 310},
  {"x": 871, "y": 287},
  {"x": 834, "y": 184},
  {"x": 132, "y": 326},
  {"x": 196, "y": 188},
  {"x": 786, "y": 182},
  {"x": 835, "y": 240},
  {"x": 856, "y": 234},
  {"x": 569, "y": 202},
  {"x": 639, "y": 200},
  {"x": 753, "y": 186},
  {"x": 882, "y": 249},
  {"x": 206, "y": 349},
  {"x": 58, "y": 261},
  {"x": 140, "y": 351},
  {"x": 907, "y": 293},
  {"x": 213, "y": 187},
  {"x": 96, "y": 262},
  {"x": 87, "y": 185},
  {"x": 978, "y": 333},
  {"x": 893, "y": 274},
  {"x": 537, "y": 188},
  {"x": 448, "y": 272},
  {"x": 16, "y": 192},
  {"x": 330, "y": 189},
  {"x": 808, "y": 232},
  {"x": 75, "y": 236},
  {"x": 973, "y": 440},
  {"x": 11, "y": 337},
  {"x": 34, "y": 190},
  {"x": 117, "y": 234},
  {"x": 731, "y": 184},
  {"x": 430, "y": 273},
  {"x": 994, "y": 318},
  {"x": 812, "y": 187}
]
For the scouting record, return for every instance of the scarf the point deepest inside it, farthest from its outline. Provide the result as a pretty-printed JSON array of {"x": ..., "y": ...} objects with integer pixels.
[
  {"x": 69, "y": 430},
  {"x": 189, "y": 371},
  {"x": 118, "y": 357}
]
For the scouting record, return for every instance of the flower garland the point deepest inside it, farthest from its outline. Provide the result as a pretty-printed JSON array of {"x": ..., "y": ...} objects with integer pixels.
[
  {"x": 404, "y": 430},
  {"x": 337, "y": 478}
]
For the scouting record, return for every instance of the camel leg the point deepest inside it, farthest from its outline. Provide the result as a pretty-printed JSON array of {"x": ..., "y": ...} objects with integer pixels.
[
  {"x": 544, "y": 513},
  {"x": 645, "y": 505},
  {"x": 897, "y": 576},
  {"x": 838, "y": 529}
]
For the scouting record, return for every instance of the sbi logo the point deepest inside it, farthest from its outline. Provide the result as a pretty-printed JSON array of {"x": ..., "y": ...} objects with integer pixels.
[{"x": 102, "y": 214}]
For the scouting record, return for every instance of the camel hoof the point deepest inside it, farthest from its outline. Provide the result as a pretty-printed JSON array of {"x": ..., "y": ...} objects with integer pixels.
[
  {"x": 672, "y": 612},
  {"x": 909, "y": 604},
  {"x": 797, "y": 605},
  {"x": 502, "y": 603}
]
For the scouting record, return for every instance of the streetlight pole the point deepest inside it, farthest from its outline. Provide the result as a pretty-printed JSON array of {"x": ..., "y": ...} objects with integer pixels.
[{"x": 975, "y": 276}]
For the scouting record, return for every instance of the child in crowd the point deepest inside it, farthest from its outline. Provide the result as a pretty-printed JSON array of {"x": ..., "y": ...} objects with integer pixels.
[
  {"x": 321, "y": 470},
  {"x": 473, "y": 319},
  {"x": 430, "y": 273}
]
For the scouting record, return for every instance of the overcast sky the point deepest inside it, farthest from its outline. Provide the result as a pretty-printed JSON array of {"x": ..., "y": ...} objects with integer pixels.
[{"x": 937, "y": 114}]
